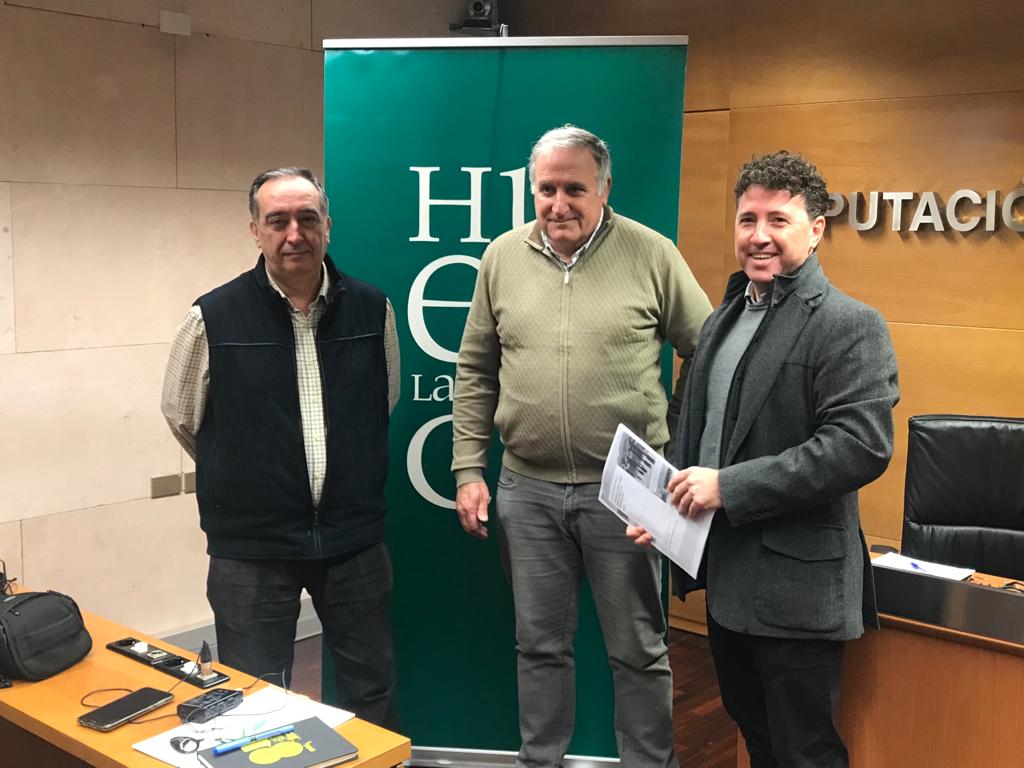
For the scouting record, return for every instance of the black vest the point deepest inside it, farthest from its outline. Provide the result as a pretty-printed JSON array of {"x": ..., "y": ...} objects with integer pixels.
[{"x": 252, "y": 481}]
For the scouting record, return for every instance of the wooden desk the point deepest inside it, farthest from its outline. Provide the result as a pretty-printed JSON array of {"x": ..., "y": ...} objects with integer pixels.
[
  {"x": 39, "y": 728},
  {"x": 921, "y": 695}
]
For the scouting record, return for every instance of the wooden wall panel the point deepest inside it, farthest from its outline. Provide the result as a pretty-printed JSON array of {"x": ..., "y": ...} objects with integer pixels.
[
  {"x": 704, "y": 204},
  {"x": 690, "y": 615},
  {"x": 709, "y": 26},
  {"x": 975, "y": 371},
  {"x": 704, "y": 199},
  {"x": 913, "y": 700},
  {"x": 794, "y": 51},
  {"x": 911, "y": 145},
  {"x": 873, "y": 540}
]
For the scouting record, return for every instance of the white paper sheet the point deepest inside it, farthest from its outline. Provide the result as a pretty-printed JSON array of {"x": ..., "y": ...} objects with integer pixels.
[
  {"x": 634, "y": 485},
  {"x": 899, "y": 562},
  {"x": 268, "y": 708}
]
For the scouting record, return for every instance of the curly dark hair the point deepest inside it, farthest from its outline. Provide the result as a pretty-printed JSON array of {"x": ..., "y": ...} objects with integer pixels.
[{"x": 787, "y": 171}]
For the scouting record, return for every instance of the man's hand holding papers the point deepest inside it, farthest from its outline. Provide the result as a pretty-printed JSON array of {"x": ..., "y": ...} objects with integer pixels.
[
  {"x": 635, "y": 485},
  {"x": 695, "y": 490}
]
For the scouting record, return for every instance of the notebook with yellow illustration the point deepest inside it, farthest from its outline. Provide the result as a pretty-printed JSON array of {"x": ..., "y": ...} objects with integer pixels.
[{"x": 310, "y": 744}]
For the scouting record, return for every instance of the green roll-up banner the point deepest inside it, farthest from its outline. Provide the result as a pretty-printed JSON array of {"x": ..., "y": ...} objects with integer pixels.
[{"x": 426, "y": 143}]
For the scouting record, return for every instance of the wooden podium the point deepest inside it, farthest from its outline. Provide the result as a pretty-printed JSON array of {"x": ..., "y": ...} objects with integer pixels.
[
  {"x": 918, "y": 694},
  {"x": 39, "y": 728}
]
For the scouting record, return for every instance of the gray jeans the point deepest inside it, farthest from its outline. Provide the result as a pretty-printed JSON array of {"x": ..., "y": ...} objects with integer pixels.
[{"x": 551, "y": 532}]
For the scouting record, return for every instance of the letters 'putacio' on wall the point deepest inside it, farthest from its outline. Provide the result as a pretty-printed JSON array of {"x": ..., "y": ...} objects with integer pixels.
[{"x": 965, "y": 210}]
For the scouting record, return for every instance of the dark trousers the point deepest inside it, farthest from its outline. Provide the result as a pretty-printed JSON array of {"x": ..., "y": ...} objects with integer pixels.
[
  {"x": 783, "y": 695},
  {"x": 256, "y": 606}
]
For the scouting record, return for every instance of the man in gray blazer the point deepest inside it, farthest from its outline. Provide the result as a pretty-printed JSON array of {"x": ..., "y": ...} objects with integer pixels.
[{"x": 787, "y": 413}]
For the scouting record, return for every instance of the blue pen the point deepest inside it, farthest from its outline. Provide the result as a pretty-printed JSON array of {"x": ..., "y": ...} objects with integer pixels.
[
  {"x": 917, "y": 567},
  {"x": 230, "y": 746}
]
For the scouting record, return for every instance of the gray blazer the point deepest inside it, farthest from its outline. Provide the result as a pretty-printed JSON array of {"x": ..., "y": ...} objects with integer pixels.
[{"x": 808, "y": 423}]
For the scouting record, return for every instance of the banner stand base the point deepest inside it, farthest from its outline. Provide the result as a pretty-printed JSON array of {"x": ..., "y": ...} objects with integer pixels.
[{"x": 452, "y": 757}]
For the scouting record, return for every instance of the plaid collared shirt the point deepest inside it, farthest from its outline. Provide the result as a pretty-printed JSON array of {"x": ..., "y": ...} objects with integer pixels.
[
  {"x": 187, "y": 379},
  {"x": 579, "y": 251}
]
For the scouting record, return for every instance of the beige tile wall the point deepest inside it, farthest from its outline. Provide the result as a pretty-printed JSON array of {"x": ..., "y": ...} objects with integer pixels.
[
  {"x": 284, "y": 22},
  {"x": 295, "y": 23},
  {"x": 142, "y": 255},
  {"x": 10, "y": 548},
  {"x": 82, "y": 428},
  {"x": 134, "y": 11},
  {"x": 141, "y": 563},
  {"x": 125, "y": 154},
  {"x": 85, "y": 101},
  {"x": 6, "y": 273},
  {"x": 384, "y": 18},
  {"x": 241, "y": 102}
]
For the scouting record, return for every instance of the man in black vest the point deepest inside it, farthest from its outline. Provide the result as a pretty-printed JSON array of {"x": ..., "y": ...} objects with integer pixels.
[{"x": 280, "y": 385}]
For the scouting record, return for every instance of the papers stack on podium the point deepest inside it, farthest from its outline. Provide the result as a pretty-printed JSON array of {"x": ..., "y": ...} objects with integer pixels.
[{"x": 899, "y": 562}]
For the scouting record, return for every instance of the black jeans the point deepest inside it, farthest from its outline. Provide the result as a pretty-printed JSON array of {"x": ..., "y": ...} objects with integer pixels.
[
  {"x": 256, "y": 606},
  {"x": 783, "y": 695}
]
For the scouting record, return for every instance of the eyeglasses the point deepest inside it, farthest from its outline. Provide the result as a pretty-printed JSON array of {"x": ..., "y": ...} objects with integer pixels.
[{"x": 6, "y": 584}]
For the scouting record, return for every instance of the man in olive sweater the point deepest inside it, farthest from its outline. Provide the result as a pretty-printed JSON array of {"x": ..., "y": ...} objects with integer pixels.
[{"x": 562, "y": 343}]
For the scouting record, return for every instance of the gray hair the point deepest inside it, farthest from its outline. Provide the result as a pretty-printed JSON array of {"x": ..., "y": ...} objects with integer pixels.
[
  {"x": 570, "y": 137},
  {"x": 286, "y": 173}
]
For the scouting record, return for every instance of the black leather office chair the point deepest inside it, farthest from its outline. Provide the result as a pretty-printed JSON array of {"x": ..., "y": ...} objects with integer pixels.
[{"x": 964, "y": 493}]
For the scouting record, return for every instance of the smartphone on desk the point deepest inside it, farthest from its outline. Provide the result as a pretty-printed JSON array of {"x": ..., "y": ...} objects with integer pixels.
[{"x": 124, "y": 710}]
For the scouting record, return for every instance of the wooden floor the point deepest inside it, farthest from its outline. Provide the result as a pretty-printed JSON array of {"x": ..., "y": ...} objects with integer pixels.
[{"x": 705, "y": 736}]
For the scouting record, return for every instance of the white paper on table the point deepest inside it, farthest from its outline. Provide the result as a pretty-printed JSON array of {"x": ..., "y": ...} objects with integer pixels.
[
  {"x": 634, "y": 485},
  {"x": 898, "y": 562},
  {"x": 268, "y": 708}
]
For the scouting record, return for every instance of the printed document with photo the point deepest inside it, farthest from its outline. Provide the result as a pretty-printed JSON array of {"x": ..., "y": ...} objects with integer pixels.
[{"x": 634, "y": 485}]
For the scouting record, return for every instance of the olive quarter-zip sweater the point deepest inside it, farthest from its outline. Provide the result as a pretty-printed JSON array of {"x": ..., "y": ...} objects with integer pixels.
[{"x": 556, "y": 357}]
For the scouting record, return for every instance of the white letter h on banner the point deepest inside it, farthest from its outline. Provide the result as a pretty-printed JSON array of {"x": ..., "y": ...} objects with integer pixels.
[{"x": 474, "y": 203}]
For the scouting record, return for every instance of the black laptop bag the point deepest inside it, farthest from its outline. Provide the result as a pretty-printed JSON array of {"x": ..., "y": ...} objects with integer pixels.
[{"x": 41, "y": 634}]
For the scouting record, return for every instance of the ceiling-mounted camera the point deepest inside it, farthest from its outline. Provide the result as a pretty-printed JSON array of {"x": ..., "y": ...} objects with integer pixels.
[
  {"x": 478, "y": 9},
  {"x": 481, "y": 19}
]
